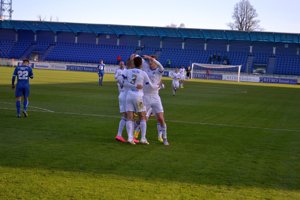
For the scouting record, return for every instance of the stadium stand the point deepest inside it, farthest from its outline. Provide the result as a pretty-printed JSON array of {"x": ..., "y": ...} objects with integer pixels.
[{"x": 87, "y": 43}]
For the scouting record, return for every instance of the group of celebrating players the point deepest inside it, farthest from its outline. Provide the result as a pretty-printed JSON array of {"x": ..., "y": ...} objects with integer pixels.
[{"x": 139, "y": 84}]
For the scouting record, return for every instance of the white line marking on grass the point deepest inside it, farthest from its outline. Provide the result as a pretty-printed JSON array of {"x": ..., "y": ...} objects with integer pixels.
[
  {"x": 173, "y": 121},
  {"x": 233, "y": 126},
  {"x": 39, "y": 108},
  {"x": 43, "y": 109}
]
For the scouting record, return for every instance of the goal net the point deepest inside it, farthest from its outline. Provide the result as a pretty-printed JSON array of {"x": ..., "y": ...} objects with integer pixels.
[{"x": 211, "y": 71}]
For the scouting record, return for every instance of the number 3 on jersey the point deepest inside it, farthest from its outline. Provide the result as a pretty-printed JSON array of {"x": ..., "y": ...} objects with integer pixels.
[
  {"x": 22, "y": 75},
  {"x": 133, "y": 79}
]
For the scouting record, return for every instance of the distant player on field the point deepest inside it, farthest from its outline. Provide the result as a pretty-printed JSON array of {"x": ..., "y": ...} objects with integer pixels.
[
  {"x": 176, "y": 78},
  {"x": 101, "y": 67},
  {"x": 182, "y": 76},
  {"x": 188, "y": 72},
  {"x": 23, "y": 73}
]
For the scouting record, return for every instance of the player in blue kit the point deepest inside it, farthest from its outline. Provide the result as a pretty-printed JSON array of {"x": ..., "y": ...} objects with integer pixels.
[
  {"x": 23, "y": 73},
  {"x": 101, "y": 67}
]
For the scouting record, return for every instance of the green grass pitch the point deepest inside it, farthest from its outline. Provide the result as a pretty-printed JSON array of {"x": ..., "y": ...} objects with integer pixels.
[{"x": 227, "y": 141}]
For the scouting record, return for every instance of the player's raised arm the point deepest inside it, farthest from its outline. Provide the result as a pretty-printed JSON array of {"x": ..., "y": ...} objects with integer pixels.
[{"x": 157, "y": 63}]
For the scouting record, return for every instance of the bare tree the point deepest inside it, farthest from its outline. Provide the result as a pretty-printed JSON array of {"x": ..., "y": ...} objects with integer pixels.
[{"x": 245, "y": 17}]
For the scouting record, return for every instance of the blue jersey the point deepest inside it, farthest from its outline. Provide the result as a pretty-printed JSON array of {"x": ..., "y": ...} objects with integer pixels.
[
  {"x": 101, "y": 68},
  {"x": 23, "y": 73}
]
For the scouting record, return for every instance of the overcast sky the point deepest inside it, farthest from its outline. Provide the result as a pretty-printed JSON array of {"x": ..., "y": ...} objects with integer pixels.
[{"x": 275, "y": 15}]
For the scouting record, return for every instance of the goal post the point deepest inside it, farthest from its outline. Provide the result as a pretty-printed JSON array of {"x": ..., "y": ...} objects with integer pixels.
[{"x": 204, "y": 68}]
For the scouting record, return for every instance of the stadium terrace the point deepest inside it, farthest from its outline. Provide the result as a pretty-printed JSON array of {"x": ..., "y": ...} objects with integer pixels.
[{"x": 276, "y": 53}]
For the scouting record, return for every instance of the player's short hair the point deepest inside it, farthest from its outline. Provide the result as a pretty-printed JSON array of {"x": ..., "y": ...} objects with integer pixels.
[
  {"x": 154, "y": 56},
  {"x": 26, "y": 61},
  {"x": 138, "y": 62}
]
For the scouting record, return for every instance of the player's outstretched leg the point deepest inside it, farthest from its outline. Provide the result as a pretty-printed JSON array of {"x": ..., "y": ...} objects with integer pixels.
[
  {"x": 122, "y": 124},
  {"x": 160, "y": 139},
  {"x": 25, "y": 106},
  {"x": 164, "y": 133},
  {"x": 143, "y": 125},
  {"x": 174, "y": 91},
  {"x": 130, "y": 127},
  {"x": 101, "y": 80},
  {"x": 137, "y": 129},
  {"x": 163, "y": 127},
  {"x": 18, "y": 107}
]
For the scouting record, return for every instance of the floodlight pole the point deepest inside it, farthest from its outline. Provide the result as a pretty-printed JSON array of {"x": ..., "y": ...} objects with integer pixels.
[{"x": 6, "y": 9}]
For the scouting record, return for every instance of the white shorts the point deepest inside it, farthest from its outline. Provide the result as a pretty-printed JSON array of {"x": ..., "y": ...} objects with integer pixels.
[
  {"x": 182, "y": 77},
  {"x": 122, "y": 102},
  {"x": 154, "y": 102},
  {"x": 175, "y": 84},
  {"x": 134, "y": 103}
]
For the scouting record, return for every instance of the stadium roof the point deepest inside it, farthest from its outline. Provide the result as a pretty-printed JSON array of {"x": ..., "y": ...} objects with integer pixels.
[{"x": 150, "y": 31}]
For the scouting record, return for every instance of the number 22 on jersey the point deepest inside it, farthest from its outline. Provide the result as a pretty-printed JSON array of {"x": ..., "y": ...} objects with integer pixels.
[{"x": 22, "y": 75}]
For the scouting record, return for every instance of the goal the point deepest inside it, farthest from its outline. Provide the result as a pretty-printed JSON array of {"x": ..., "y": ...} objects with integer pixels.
[{"x": 209, "y": 70}]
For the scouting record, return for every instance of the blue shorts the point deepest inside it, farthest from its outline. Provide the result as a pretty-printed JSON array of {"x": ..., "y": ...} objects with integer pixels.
[
  {"x": 100, "y": 74},
  {"x": 22, "y": 91}
]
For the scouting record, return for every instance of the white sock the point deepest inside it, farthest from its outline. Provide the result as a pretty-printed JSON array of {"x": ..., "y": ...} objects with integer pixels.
[
  {"x": 143, "y": 129},
  {"x": 164, "y": 131},
  {"x": 159, "y": 129},
  {"x": 149, "y": 113},
  {"x": 121, "y": 126},
  {"x": 129, "y": 128}
]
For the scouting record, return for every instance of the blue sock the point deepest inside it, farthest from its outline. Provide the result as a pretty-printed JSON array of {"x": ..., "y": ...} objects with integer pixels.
[
  {"x": 25, "y": 104},
  {"x": 18, "y": 105}
]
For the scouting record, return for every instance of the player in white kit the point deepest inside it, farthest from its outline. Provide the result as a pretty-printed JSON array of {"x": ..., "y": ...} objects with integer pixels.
[
  {"x": 119, "y": 72},
  {"x": 182, "y": 76},
  {"x": 119, "y": 77},
  {"x": 176, "y": 78},
  {"x": 152, "y": 100},
  {"x": 134, "y": 99}
]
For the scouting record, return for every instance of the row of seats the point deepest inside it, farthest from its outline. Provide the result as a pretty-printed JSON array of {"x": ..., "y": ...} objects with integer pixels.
[{"x": 91, "y": 53}]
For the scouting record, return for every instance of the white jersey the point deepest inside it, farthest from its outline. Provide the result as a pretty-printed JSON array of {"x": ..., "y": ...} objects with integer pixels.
[
  {"x": 154, "y": 76},
  {"x": 151, "y": 98},
  {"x": 182, "y": 73},
  {"x": 176, "y": 77},
  {"x": 137, "y": 77},
  {"x": 123, "y": 89},
  {"x": 118, "y": 76},
  {"x": 134, "y": 98}
]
